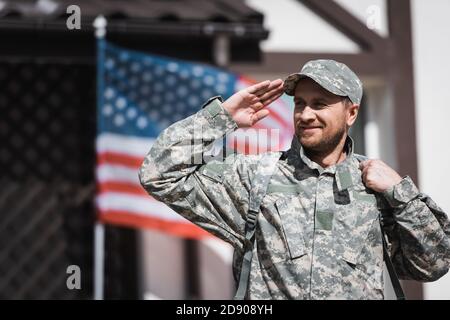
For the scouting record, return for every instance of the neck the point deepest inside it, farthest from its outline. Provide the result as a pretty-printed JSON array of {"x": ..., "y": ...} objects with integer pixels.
[{"x": 330, "y": 157}]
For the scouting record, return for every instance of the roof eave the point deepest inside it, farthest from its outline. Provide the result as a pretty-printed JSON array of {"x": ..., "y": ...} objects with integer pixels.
[{"x": 154, "y": 28}]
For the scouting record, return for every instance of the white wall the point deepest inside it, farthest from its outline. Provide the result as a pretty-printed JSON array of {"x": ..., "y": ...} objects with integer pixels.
[
  {"x": 431, "y": 37},
  {"x": 371, "y": 12},
  {"x": 379, "y": 129},
  {"x": 293, "y": 27}
]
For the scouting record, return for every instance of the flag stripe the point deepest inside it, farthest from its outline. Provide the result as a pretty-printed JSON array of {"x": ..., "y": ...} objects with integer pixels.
[
  {"x": 107, "y": 172},
  {"x": 171, "y": 227},
  {"x": 117, "y": 143},
  {"x": 274, "y": 114},
  {"x": 115, "y": 158},
  {"x": 122, "y": 187},
  {"x": 283, "y": 108},
  {"x": 136, "y": 204}
]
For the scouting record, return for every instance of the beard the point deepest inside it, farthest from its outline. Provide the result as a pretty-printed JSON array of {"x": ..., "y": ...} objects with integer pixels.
[{"x": 326, "y": 145}]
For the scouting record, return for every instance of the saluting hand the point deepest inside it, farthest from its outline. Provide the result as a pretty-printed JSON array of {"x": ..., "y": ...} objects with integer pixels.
[
  {"x": 247, "y": 106},
  {"x": 378, "y": 176}
]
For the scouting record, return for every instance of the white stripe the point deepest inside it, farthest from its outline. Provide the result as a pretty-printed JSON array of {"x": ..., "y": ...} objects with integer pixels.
[
  {"x": 284, "y": 107},
  {"x": 141, "y": 205},
  {"x": 272, "y": 123},
  {"x": 106, "y": 172},
  {"x": 133, "y": 146}
]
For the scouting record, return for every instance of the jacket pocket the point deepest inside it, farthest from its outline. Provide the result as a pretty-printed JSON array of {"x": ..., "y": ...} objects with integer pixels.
[
  {"x": 292, "y": 222},
  {"x": 360, "y": 283}
]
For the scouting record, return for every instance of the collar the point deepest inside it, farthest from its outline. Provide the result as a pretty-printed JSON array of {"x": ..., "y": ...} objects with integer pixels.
[{"x": 347, "y": 172}]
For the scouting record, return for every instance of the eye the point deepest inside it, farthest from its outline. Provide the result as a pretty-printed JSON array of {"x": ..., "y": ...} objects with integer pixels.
[
  {"x": 299, "y": 104},
  {"x": 320, "y": 105}
]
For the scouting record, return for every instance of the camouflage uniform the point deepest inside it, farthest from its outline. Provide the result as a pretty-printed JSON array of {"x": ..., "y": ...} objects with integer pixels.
[{"x": 317, "y": 235}]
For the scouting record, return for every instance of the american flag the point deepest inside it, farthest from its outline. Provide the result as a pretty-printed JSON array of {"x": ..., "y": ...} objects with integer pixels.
[{"x": 139, "y": 95}]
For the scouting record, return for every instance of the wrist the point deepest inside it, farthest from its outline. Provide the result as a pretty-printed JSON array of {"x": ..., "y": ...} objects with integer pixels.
[
  {"x": 226, "y": 106},
  {"x": 218, "y": 116},
  {"x": 401, "y": 193}
]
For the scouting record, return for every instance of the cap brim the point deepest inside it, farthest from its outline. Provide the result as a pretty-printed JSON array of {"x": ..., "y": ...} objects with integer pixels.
[{"x": 292, "y": 80}]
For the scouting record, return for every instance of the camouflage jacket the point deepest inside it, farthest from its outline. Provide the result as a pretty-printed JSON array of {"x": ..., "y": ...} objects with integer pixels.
[{"x": 318, "y": 233}]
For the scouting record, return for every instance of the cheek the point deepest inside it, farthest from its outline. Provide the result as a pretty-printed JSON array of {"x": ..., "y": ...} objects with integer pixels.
[{"x": 335, "y": 120}]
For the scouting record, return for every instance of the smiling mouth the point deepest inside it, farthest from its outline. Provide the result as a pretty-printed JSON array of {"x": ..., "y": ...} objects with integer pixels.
[{"x": 309, "y": 128}]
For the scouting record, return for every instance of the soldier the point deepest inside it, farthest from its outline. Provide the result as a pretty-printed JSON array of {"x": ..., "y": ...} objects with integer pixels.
[{"x": 317, "y": 233}]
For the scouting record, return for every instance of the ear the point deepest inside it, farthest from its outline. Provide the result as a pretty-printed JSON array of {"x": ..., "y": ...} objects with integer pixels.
[{"x": 352, "y": 113}]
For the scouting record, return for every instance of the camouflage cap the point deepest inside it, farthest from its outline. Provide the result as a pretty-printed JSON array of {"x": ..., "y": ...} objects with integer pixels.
[{"x": 333, "y": 76}]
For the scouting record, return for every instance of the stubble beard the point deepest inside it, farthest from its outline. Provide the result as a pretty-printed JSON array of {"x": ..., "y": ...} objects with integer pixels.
[{"x": 326, "y": 145}]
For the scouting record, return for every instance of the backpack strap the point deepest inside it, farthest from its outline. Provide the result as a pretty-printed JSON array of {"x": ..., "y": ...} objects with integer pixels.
[
  {"x": 390, "y": 266},
  {"x": 263, "y": 172}
]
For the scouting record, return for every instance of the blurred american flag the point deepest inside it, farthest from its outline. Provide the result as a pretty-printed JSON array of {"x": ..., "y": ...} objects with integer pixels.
[{"x": 139, "y": 95}]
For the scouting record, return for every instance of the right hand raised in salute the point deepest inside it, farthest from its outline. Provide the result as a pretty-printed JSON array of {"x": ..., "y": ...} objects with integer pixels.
[{"x": 247, "y": 106}]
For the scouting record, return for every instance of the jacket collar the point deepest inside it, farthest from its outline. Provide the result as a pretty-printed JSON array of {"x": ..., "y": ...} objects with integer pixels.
[{"x": 347, "y": 172}]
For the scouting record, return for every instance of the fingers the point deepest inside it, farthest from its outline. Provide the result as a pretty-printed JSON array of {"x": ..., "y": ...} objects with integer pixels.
[
  {"x": 364, "y": 166},
  {"x": 368, "y": 166},
  {"x": 268, "y": 94},
  {"x": 271, "y": 91},
  {"x": 258, "y": 103},
  {"x": 273, "y": 94},
  {"x": 272, "y": 99},
  {"x": 364, "y": 176},
  {"x": 264, "y": 87},
  {"x": 274, "y": 85},
  {"x": 263, "y": 94},
  {"x": 258, "y": 87}
]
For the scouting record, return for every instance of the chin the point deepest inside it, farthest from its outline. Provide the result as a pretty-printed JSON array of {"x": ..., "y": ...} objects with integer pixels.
[{"x": 309, "y": 142}]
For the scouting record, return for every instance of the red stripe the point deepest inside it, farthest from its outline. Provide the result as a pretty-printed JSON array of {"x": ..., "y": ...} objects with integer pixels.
[
  {"x": 247, "y": 81},
  {"x": 180, "y": 229},
  {"x": 122, "y": 187},
  {"x": 119, "y": 159},
  {"x": 274, "y": 114}
]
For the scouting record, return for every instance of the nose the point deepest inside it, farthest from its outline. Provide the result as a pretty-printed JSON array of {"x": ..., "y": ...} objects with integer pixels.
[{"x": 307, "y": 114}]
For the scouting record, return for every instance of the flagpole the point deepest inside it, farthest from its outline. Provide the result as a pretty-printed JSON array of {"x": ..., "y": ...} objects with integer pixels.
[
  {"x": 99, "y": 230},
  {"x": 221, "y": 50},
  {"x": 99, "y": 260}
]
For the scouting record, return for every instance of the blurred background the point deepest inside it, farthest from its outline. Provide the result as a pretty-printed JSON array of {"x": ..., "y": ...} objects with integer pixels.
[{"x": 49, "y": 68}]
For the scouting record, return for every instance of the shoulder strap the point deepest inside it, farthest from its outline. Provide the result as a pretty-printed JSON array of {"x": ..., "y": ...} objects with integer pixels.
[
  {"x": 392, "y": 274},
  {"x": 390, "y": 266},
  {"x": 263, "y": 173}
]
